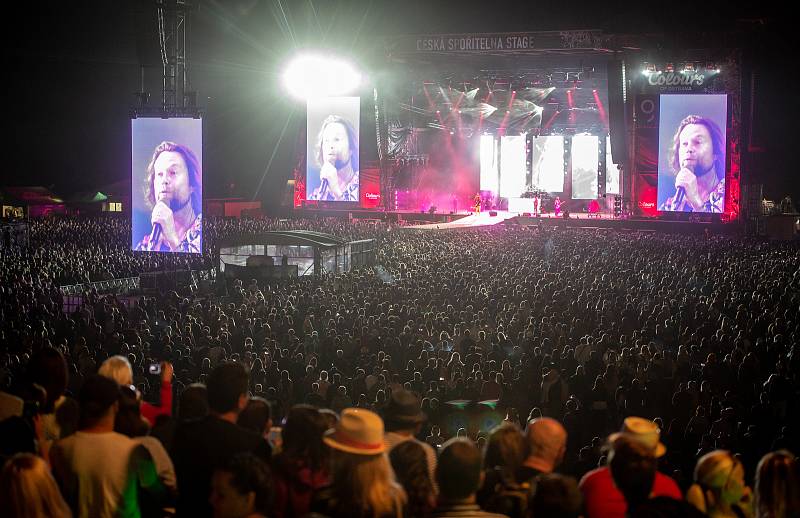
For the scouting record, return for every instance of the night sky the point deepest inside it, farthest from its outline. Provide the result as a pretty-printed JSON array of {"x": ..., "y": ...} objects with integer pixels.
[{"x": 72, "y": 69}]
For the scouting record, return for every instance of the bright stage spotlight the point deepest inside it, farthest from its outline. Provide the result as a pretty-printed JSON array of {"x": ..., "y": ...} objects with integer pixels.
[{"x": 311, "y": 76}]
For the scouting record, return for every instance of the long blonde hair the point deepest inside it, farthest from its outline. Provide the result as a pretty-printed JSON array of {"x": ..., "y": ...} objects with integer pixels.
[
  {"x": 28, "y": 490},
  {"x": 367, "y": 483}
]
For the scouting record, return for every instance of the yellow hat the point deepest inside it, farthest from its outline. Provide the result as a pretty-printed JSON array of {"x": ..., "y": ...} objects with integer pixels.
[{"x": 644, "y": 431}]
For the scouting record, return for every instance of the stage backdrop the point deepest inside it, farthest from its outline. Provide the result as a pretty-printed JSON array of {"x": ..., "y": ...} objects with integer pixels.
[
  {"x": 170, "y": 182},
  {"x": 585, "y": 153},
  {"x": 513, "y": 169},
  {"x": 548, "y": 163},
  {"x": 612, "y": 171}
]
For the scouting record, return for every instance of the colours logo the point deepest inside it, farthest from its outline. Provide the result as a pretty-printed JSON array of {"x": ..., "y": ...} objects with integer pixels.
[{"x": 676, "y": 79}]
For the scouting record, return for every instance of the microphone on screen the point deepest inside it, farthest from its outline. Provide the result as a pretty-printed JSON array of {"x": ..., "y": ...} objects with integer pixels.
[
  {"x": 155, "y": 235},
  {"x": 324, "y": 190},
  {"x": 681, "y": 193}
]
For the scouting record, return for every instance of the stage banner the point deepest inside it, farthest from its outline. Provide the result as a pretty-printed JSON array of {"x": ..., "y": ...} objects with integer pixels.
[
  {"x": 646, "y": 195},
  {"x": 645, "y": 153},
  {"x": 370, "y": 188},
  {"x": 701, "y": 80},
  {"x": 512, "y": 43}
]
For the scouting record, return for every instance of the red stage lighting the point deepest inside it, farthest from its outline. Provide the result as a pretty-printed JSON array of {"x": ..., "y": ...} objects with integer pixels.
[
  {"x": 571, "y": 104},
  {"x": 550, "y": 120},
  {"x": 601, "y": 109},
  {"x": 511, "y": 99}
]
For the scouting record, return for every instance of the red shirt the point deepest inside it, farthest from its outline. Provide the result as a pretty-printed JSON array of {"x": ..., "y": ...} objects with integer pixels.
[
  {"x": 151, "y": 412},
  {"x": 601, "y": 498}
]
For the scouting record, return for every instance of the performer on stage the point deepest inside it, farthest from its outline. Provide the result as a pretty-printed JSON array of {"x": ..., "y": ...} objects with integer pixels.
[
  {"x": 537, "y": 205},
  {"x": 477, "y": 202},
  {"x": 557, "y": 206},
  {"x": 594, "y": 208}
]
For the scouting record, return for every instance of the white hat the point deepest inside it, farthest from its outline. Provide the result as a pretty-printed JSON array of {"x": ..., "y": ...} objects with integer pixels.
[{"x": 358, "y": 431}]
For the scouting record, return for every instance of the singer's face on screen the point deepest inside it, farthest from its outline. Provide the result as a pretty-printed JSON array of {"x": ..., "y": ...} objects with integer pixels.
[
  {"x": 171, "y": 180},
  {"x": 696, "y": 149},
  {"x": 335, "y": 145}
]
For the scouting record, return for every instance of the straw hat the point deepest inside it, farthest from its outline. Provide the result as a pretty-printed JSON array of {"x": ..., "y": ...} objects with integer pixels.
[
  {"x": 643, "y": 431},
  {"x": 358, "y": 431}
]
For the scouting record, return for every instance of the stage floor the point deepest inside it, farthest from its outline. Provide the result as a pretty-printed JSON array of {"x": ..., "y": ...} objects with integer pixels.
[
  {"x": 667, "y": 223},
  {"x": 485, "y": 219},
  {"x": 479, "y": 219}
]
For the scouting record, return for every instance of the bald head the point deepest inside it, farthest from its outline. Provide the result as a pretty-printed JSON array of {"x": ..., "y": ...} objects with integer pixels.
[{"x": 547, "y": 441}]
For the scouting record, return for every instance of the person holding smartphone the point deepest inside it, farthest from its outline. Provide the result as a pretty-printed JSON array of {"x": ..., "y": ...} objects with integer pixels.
[{"x": 119, "y": 369}]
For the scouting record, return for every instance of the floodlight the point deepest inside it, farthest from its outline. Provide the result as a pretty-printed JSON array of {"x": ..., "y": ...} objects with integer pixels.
[{"x": 309, "y": 76}]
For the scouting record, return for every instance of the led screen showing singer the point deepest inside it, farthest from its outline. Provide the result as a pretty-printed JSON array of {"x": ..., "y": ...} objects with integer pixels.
[
  {"x": 167, "y": 173},
  {"x": 691, "y": 171},
  {"x": 332, "y": 172}
]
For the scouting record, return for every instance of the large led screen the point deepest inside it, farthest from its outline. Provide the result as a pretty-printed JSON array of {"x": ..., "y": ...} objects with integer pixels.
[
  {"x": 548, "y": 163},
  {"x": 612, "y": 171},
  {"x": 691, "y": 158},
  {"x": 332, "y": 149},
  {"x": 513, "y": 169},
  {"x": 584, "y": 167},
  {"x": 488, "y": 151},
  {"x": 167, "y": 185}
]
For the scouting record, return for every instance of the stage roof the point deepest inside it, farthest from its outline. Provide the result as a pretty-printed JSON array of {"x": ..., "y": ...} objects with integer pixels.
[{"x": 287, "y": 237}]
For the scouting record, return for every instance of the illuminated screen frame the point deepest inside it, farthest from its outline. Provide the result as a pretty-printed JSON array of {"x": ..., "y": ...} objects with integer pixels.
[
  {"x": 513, "y": 167},
  {"x": 585, "y": 151},
  {"x": 613, "y": 175},
  {"x": 548, "y": 163},
  {"x": 489, "y": 178},
  {"x": 323, "y": 116},
  {"x": 147, "y": 136},
  {"x": 713, "y": 111}
]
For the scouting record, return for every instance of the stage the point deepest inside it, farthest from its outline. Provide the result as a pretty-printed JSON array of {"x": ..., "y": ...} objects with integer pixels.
[{"x": 681, "y": 223}]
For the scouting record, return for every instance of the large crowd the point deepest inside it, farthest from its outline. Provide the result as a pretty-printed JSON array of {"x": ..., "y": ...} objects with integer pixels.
[{"x": 525, "y": 371}]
